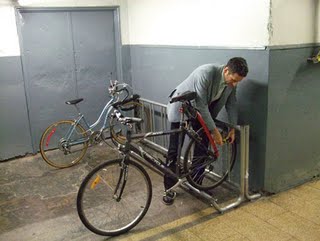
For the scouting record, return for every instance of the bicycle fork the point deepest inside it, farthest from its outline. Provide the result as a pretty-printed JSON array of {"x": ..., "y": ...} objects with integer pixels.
[{"x": 122, "y": 180}]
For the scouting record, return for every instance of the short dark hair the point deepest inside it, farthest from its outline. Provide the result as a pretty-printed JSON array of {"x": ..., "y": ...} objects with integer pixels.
[{"x": 238, "y": 65}]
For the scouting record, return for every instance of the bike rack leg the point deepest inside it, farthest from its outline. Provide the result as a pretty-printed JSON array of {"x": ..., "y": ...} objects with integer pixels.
[
  {"x": 246, "y": 160},
  {"x": 211, "y": 199},
  {"x": 244, "y": 176}
]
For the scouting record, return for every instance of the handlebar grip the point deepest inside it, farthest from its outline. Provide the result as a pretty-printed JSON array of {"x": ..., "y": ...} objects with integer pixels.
[
  {"x": 130, "y": 120},
  {"x": 132, "y": 98}
]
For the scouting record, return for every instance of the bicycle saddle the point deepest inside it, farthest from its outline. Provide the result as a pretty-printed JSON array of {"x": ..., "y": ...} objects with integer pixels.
[
  {"x": 185, "y": 96},
  {"x": 73, "y": 102}
]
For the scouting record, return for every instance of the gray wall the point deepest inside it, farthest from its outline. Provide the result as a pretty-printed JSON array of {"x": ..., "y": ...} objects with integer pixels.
[
  {"x": 66, "y": 54},
  {"x": 293, "y": 155},
  {"x": 279, "y": 100},
  {"x": 15, "y": 136},
  {"x": 126, "y": 64},
  {"x": 155, "y": 71}
]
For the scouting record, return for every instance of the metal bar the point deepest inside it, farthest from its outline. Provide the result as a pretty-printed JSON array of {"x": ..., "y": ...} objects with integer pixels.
[
  {"x": 244, "y": 159},
  {"x": 248, "y": 196},
  {"x": 162, "y": 125},
  {"x": 165, "y": 138},
  {"x": 152, "y": 102},
  {"x": 228, "y": 156},
  {"x": 214, "y": 203},
  {"x": 143, "y": 162},
  {"x": 154, "y": 134},
  {"x": 144, "y": 128},
  {"x": 155, "y": 146},
  {"x": 153, "y": 120}
]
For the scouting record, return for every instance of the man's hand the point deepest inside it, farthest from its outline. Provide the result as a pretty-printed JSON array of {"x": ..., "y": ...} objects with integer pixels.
[
  {"x": 231, "y": 136},
  {"x": 217, "y": 136}
]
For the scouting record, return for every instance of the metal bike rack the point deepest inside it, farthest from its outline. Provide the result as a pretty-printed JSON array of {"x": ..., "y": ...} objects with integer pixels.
[
  {"x": 160, "y": 110},
  {"x": 244, "y": 175}
]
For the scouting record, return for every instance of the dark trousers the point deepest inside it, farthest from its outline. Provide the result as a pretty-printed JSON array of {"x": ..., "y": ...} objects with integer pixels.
[{"x": 169, "y": 181}]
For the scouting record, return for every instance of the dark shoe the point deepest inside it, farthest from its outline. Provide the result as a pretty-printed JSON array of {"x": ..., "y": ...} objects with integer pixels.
[{"x": 168, "y": 197}]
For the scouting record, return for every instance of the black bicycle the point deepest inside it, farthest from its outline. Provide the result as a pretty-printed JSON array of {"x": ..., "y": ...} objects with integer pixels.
[{"x": 115, "y": 196}]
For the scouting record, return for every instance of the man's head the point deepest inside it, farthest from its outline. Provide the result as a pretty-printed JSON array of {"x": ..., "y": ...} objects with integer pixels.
[{"x": 235, "y": 70}]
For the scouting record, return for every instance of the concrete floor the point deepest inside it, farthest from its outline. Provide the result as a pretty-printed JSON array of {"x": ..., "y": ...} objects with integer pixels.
[{"x": 38, "y": 202}]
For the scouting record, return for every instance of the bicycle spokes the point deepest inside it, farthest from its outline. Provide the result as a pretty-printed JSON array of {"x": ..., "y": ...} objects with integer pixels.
[
  {"x": 206, "y": 170},
  {"x": 61, "y": 145},
  {"x": 119, "y": 187},
  {"x": 114, "y": 197}
]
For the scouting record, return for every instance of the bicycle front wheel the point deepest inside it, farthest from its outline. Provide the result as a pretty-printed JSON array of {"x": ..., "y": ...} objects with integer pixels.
[
  {"x": 205, "y": 170},
  {"x": 60, "y": 151},
  {"x": 114, "y": 197},
  {"x": 118, "y": 130}
]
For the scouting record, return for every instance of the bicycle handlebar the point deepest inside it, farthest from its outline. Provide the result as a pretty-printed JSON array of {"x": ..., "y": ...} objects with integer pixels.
[
  {"x": 132, "y": 98},
  {"x": 116, "y": 87},
  {"x": 126, "y": 120}
]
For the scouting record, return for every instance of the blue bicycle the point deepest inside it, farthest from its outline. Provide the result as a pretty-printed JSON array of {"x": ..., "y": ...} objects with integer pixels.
[{"x": 64, "y": 143}]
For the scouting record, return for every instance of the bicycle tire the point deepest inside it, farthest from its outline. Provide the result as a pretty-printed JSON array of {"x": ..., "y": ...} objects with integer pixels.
[
  {"x": 51, "y": 143},
  {"x": 207, "y": 171},
  {"x": 144, "y": 112},
  {"x": 118, "y": 130},
  {"x": 97, "y": 207}
]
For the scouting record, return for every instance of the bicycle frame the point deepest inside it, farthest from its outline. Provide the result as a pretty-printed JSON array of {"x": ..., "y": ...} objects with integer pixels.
[
  {"x": 104, "y": 113},
  {"x": 152, "y": 160},
  {"x": 184, "y": 129}
]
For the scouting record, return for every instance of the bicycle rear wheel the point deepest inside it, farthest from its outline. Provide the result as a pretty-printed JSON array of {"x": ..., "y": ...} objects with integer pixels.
[
  {"x": 207, "y": 171},
  {"x": 56, "y": 150},
  {"x": 114, "y": 197}
]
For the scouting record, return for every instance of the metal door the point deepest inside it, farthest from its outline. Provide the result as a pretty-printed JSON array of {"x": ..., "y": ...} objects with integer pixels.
[{"x": 66, "y": 54}]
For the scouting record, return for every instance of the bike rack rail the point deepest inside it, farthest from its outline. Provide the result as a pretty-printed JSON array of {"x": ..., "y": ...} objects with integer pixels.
[{"x": 158, "y": 109}]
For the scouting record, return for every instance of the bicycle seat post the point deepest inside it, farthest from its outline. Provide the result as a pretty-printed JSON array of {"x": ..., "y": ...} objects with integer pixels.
[
  {"x": 78, "y": 109},
  {"x": 180, "y": 138}
]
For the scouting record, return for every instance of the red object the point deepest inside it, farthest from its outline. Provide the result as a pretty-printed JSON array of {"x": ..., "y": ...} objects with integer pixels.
[
  {"x": 49, "y": 136},
  {"x": 206, "y": 130}
]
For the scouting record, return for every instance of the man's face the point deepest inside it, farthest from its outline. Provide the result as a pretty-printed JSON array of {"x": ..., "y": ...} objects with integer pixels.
[{"x": 232, "y": 79}]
